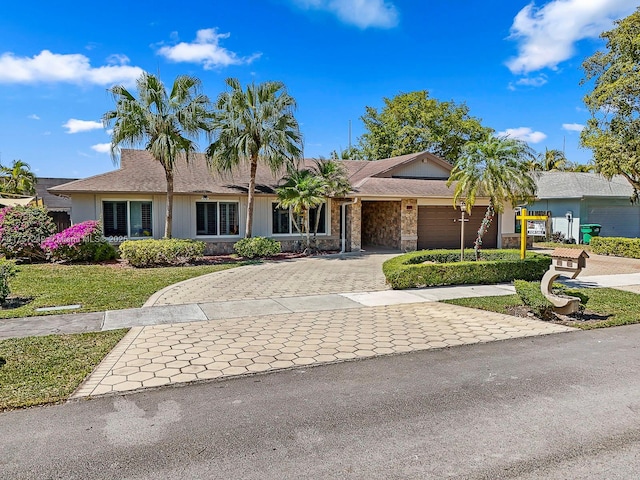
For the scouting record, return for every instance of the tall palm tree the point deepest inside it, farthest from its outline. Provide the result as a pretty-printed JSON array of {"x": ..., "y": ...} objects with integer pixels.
[
  {"x": 552, "y": 160},
  {"x": 165, "y": 123},
  {"x": 18, "y": 178},
  {"x": 300, "y": 191},
  {"x": 495, "y": 167},
  {"x": 252, "y": 125},
  {"x": 336, "y": 180}
]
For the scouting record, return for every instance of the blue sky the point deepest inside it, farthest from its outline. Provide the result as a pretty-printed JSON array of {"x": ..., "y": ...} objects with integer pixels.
[{"x": 516, "y": 64}]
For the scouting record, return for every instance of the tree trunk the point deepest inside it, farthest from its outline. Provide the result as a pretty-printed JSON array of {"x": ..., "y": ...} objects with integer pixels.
[
  {"x": 250, "y": 199},
  {"x": 307, "y": 227},
  {"x": 317, "y": 225},
  {"x": 484, "y": 228},
  {"x": 169, "y": 218}
]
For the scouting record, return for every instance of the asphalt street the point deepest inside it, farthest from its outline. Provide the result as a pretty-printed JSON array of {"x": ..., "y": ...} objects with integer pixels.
[{"x": 558, "y": 406}]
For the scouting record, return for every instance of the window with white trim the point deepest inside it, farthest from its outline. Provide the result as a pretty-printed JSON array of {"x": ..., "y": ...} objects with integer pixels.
[
  {"x": 283, "y": 225},
  {"x": 217, "y": 218},
  {"x": 127, "y": 218}
]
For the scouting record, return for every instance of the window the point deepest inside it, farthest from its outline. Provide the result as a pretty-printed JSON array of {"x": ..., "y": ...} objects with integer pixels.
[
  {"x": 127, "y": 219},
  {"x": 282, "y": 224},
  {"x": 213, "y": 218},
  {"x": 206, "y": 214},
  {"x": 281, "y": 220}
]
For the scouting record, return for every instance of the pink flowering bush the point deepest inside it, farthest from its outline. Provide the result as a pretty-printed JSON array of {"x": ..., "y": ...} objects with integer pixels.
[
  {"x": 82, "y": 242},
  {"x": 22, "y": 229}
]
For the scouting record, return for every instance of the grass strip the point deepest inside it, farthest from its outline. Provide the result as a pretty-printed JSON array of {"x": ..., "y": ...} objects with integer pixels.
[
  {"x": 621, "y": 307},
  {"x": 38, "y": 370},
  {"x": 95, "y": 287}
]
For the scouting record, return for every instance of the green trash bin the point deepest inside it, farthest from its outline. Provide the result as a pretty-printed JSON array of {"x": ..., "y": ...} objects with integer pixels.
[{"x": 588, "y": 231}]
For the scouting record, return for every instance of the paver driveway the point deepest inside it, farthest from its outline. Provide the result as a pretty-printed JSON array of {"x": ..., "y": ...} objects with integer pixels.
[{"x": 291, "y": 278}]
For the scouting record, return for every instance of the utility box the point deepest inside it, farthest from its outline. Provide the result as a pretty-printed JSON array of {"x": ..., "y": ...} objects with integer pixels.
[{"x": 569, "y": 260}]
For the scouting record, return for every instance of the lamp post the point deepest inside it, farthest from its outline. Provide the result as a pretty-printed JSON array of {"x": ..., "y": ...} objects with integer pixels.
[{"x": 463, "y": 209}]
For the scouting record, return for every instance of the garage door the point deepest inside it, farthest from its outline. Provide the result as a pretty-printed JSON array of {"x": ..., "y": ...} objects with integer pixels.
[
  {"x": 616, "y": 221},
  {"x": 439, "y": 227}
]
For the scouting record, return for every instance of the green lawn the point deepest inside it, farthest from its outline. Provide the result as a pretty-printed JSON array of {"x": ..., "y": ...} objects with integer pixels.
[
  {"x": 39, "y": 370},
  {"x": 95, "y": 287},
  {"x": 622, "y": 308}
]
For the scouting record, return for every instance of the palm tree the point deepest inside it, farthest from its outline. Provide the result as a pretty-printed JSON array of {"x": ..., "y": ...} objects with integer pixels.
[
  {"x": 18, "y": 178},
  {"x": 495, "y": 167},
  {"x": 252, "y": 125},
  {"x": 300, "y": 191},
  {"x": 552, "y": 160},
  {"x": 164, "y": 123},
  {"x": 336, "y": 180}
]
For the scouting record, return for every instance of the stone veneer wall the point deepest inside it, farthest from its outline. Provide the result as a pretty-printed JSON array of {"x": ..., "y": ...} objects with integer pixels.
[
  {"x": 381, "y": 224},
  {"x": 512, "y": 240},
  {"x": 354, "y": 228},
  {"x": 409, "y": 230}
]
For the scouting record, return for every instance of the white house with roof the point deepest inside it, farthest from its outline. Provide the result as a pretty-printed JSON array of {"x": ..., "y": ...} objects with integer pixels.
[{"x": 399, "y": 203}]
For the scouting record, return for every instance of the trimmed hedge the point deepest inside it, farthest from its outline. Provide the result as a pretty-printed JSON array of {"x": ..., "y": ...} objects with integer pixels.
[
  {"x": 21, "y": 231},
  {"x": 257, "y": 247},
  {"x": 168, "y": 251},
  {"x": 618, "y": 246},
  {"x": 445, "y": 268}
]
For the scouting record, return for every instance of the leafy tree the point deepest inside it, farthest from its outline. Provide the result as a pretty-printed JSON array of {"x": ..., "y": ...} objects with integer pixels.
[
  {"x": 496, "y": 167},
  {"x": 351, "y": 153},
  {"x": 581, "y": 167},
  {"x": 336, "y": 181},
  {"x": 414, "y": 122},
  {"x": 252, "y": 125},
  {"x": 18, "y": 179},
  {"x": 164, "y": 122},
  {"x": 613, "y": 131},
  {"x": 300, "y": 191}
]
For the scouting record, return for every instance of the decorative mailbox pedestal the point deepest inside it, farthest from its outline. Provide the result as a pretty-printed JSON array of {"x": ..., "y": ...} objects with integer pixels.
[{"x": 568, "y": 262}]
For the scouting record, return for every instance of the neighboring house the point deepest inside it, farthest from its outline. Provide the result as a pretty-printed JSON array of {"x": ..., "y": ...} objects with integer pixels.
[
  {"x": 573, "y": 199},
  {"x": 400, "y": 203},
  {"x": 58, "y": 207}
]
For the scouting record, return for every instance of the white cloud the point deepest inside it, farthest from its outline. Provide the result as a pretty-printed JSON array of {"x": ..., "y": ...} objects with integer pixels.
[
  {"x": 546, "y": 35},
  {"x": 33, "y": 116},
  {"x": 523, "y": 133},
  {"x": 70, "y": 68},
  {"x": 101, "y": 147},
  {"x": 533, "y": 81},
  {"x": 573, "y": 127},
  {"x": 361, "y": 13},
  {"x": 74, "y": 125},
  {"x": 206, "y": 50}
]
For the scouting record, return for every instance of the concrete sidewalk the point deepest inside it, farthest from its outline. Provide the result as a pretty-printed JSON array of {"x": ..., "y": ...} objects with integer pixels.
[{"x": 234, "y": 309}]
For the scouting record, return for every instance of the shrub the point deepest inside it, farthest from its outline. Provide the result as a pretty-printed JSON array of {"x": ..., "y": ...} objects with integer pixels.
[
  {"x": 444, "y": 267},
  {"x": 82, "y": 242},
  {"x": 257, "y": 247},
  {"x": 7, "y": 271},
  {"x": 619, "y": 246},
  {"x": 22, "y": 229},
  {"x": 168, "y": 251},
  {"x": 531, "y": 296}
]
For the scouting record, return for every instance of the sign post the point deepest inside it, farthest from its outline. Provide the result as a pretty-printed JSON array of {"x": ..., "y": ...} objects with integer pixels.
[
  {"x": 525, "y": 222},
  {"x": 463, "y": 208}
]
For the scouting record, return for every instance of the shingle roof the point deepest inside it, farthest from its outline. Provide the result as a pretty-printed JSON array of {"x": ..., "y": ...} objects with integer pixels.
[
  {"x": 140, "y": 173},
  {"x": 53, "y": 203},
  {"x": 579, "y": 185},
  {"x": 404, "y": 187}
]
